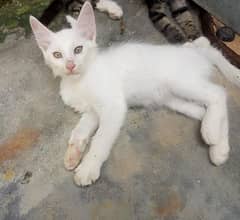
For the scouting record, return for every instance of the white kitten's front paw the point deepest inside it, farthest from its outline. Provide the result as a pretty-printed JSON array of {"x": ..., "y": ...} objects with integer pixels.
[
  {"x": 74, "y": 153},
  {"x": 86, "y": 173},
  {"x": 219, "y": 154}
]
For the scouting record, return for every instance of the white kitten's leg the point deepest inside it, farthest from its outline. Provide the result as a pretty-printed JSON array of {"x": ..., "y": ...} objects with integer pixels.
[
  {"x": 214, "y": 127},
  {"x": 111, "y": 120},
  {"x": 219, "y": 153},
  {"x": 80, "y": 136},
  {"x": 187, "y": 108},
  {"x": 111, "y": 8}
]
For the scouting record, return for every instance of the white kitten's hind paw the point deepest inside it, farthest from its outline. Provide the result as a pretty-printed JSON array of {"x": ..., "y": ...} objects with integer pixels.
[
  {"x": 210, "y": 131},
  {"x": 111, "y": 8},
  {"x": 86, "y": 174},
  {"x": 219, "y": 154}
]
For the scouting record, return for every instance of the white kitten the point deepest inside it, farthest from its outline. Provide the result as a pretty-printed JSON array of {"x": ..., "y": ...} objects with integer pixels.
[{"x": 102, "y": 86}]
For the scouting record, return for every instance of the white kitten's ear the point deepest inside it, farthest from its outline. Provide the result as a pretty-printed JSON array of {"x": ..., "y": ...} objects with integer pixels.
[
  {"x": 86, "y": 22},
  {"x": 42, "y": 34}
]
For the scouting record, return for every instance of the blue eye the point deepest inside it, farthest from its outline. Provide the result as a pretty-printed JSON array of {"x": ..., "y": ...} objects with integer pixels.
[{"x": 78, "y": 49}]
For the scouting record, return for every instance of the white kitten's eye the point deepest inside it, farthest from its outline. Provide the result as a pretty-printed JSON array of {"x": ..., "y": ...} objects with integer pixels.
[
  {"x": 78, "y": 49},
  {"x": 57, "y": 55}
]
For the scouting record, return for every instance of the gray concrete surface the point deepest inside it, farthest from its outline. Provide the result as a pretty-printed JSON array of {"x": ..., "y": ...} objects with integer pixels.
[{"x": 158, "y": 169}]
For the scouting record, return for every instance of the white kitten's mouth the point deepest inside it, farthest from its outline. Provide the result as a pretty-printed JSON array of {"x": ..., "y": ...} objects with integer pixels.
[{"x": 70, "y": 73}]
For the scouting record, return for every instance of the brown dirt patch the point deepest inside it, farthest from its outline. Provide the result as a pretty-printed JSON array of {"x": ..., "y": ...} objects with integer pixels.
[
  {"x": 171, "y": 206},
  {"x": 21, "y": 140}
]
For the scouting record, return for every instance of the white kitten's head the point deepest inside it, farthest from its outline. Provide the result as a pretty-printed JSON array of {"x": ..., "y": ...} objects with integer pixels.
[{"x": 68, "y": 51}]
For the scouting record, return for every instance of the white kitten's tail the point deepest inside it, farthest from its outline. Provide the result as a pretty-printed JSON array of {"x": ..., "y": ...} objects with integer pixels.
[{"x": 231, "y": 72}]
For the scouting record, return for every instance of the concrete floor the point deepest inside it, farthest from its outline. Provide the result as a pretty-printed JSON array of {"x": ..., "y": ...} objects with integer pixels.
[{"x": 158, "y": 169}]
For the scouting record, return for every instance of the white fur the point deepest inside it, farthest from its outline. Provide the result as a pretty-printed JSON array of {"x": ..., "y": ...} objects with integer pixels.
[
  {"x": 106, "y": 83},
  {"x": 111, "y": 8}
]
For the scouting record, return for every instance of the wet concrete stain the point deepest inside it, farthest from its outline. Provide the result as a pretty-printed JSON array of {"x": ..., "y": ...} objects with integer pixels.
[
  {"x": 26, "y": 178},
  {"x": 21, "y": 140},
  {"x": 9, "y": 201},
  {"x": 8, "y": 175},
  {"x": 124, "y": 170},
  {"x": 111, "y": 209},
  {"x": 125, "y": 163},
  {"x": 171, "y": 205},
  {"x": 170, "y": 129}
]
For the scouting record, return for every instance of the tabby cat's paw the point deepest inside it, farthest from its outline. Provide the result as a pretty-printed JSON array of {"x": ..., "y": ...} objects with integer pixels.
[
  {"x": 115, "y": 12},
  {"x": 111, "y": 8}
]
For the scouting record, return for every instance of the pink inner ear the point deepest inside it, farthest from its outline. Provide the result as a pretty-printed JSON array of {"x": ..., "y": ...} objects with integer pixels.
[
  {"x": 86, "y": 22},
  {"x": 42, "y": 34}
]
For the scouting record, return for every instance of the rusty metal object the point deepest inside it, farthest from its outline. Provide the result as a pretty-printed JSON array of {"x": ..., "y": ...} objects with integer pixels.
[
  {"x": 225, "y": 10},
  {"x": 225, "y": 34},
  {"x": 209, "y": 30}
]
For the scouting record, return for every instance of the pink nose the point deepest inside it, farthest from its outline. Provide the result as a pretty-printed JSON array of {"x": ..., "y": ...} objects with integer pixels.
[{"x": 70, "y": 65}]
